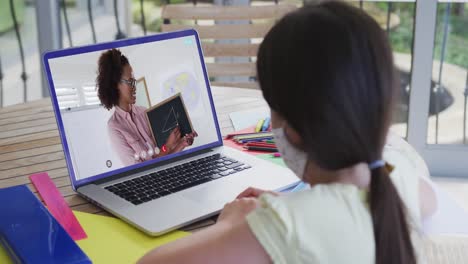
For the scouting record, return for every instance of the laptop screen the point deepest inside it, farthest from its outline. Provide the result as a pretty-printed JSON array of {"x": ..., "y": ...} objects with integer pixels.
[{"x": 131, "y": 103}]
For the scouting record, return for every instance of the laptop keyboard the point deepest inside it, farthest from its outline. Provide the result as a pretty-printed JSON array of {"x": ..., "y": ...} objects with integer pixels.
[{"x": 157, "y": 184}]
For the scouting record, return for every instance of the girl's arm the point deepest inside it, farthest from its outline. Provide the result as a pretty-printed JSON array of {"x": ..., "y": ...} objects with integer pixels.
[{"x": 230, "y": 240}]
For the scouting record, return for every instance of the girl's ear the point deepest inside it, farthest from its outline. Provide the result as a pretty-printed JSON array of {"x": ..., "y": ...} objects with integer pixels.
[{"x": 293, "y": 136}]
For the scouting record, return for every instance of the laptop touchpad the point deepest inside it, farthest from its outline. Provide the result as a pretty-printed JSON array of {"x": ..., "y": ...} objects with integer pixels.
[{"x": 214, "y": 192}]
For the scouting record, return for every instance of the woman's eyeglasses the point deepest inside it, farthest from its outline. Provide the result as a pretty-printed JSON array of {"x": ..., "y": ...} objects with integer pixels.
[{"x": 131, "y": 82}]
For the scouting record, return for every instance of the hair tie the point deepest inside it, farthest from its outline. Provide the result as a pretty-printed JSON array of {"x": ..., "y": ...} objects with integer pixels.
[{"x": 376, "y": 164}]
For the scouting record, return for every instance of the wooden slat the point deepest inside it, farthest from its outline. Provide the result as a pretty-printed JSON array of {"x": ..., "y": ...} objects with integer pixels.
[
  {"x": 25, "y": 145},
  {"x": 26, "y": 118},
  {"x": 87, "y": 208},
  {"x": 233, "y": 50},
  {"x": 22, "y": 106},
  {"x": 24, "y": 179},
  {"x": 28, "y": 111},
  {"x": 75, "y": 200},
  {"x": 33, "y": 123},
  {"x": 225, "y": 12},
  {"x": 32, "y": 169},
  {"x": 28, "y": 131},
  {"x": 31, "y": 137},
  {"x": 231, "y": 69},
  {"x": 10, "y": 156},
  {"x": 28, "y": 105},
  {"x": 224, "y": 31},
  {"x": 249, "y": 85},
  {"x": 31, "y": 160}
]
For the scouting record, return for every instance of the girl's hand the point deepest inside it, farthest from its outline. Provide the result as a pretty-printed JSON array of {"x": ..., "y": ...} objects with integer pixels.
[
  {"x": 236, "y": 211},
  {"x": 254, "y": 193}
]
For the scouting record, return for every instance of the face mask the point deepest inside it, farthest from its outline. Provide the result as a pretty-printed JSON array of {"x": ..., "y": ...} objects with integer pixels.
[{"x": 294, "y": 158}]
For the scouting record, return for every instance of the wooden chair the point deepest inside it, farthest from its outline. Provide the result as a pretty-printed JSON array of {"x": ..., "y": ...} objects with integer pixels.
[{"x": 260, "y": 20}]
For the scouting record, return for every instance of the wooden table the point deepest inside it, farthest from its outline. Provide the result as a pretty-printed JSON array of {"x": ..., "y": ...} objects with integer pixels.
[{"x": 30, "y": 143}]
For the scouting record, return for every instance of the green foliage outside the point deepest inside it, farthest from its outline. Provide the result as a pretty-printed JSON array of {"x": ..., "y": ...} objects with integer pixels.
[
  {"x": 401, "y": 36},
  {"x": 152, "y": 11},
  {"x": 457, "y": 41},
  {"x": 6, "y": 22}
]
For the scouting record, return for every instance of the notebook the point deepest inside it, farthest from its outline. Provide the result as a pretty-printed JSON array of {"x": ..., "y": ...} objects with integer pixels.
[{"x": 30, "y": 234}]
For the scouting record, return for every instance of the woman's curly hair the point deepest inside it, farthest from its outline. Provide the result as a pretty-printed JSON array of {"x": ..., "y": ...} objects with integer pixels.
[{"x": 110, "y": 68}]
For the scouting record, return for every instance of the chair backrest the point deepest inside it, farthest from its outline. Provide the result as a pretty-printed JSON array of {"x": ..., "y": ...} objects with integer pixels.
[{"x": 257, "y": 22}]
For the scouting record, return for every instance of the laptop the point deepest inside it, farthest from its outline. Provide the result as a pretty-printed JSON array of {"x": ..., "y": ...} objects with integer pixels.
[{"x": 155, "y": 193}]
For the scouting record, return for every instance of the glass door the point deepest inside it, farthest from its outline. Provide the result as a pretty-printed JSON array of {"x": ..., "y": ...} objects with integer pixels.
[{"x": 437, "y": 125}]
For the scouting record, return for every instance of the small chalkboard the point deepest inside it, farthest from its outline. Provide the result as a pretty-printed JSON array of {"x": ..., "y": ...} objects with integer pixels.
[{"x": 166, "y": 116}]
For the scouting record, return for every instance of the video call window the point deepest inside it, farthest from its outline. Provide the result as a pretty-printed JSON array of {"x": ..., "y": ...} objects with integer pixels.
[{"x": 133, "y": 104}]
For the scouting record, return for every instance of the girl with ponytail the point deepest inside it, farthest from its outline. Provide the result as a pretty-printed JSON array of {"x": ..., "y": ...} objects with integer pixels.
[{"x": 327, "y": 73}]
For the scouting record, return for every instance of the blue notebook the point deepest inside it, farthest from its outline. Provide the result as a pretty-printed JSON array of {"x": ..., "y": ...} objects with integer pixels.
[{"x": 30, "y": 234}]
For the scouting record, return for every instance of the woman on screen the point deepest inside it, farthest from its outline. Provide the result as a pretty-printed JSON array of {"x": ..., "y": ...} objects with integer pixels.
[{"x": 128, "y": 128}]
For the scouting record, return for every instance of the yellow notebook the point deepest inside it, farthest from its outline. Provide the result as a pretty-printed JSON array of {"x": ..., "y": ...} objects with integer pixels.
[{"x": 110, "y": 240}]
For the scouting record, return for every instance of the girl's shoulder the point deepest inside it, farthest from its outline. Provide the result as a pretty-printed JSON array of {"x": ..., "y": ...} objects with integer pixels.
[
  {"x": 332, "y": 198},
  {"x": 321, "y": 225}
]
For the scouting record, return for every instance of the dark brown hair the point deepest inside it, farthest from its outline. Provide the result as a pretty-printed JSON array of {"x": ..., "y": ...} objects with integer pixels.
[
  {"x": 328, "y": 70},
  {"x": 110, "y": 68}
]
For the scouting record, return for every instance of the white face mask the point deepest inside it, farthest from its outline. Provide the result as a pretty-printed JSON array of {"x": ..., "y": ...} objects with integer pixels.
[{"x": 294, "y": 158}]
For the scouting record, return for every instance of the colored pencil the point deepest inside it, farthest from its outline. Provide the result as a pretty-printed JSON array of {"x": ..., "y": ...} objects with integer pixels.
[
  {"x": 262, "y": 149},
  {"x": 232, "y": 135},
  {"x": 261, "y": 144},
  {"x": 259, "y": 126},
  {"x": 252, "y": 140},
  {"x": 266, "y": 124},
  {"x": 255, "y": 135}
]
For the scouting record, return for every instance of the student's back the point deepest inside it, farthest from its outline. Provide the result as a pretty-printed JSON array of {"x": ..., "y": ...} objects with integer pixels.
[
  {"x": 327, "y": 73},
  {"x": 331, "y": 223}
]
